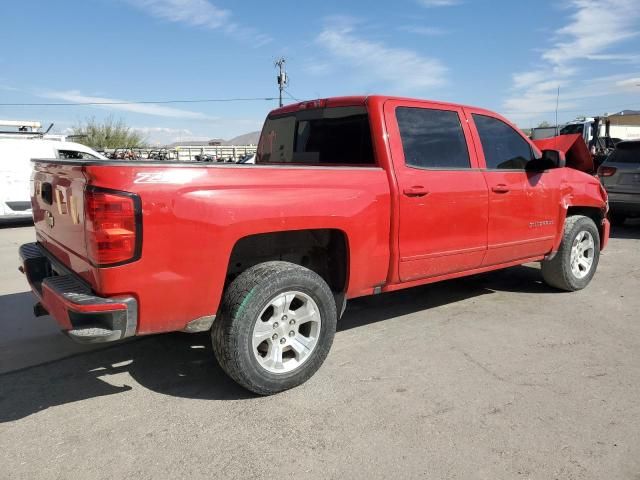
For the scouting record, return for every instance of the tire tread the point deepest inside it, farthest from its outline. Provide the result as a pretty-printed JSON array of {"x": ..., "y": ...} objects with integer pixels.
[
  {"x": 556, "y": 272},
  {"x": 224, "y": 332}
]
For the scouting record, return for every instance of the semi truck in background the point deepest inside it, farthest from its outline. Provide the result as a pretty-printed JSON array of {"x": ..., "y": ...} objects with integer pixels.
[
  {"x": 617, "y": 127},
  {"x": 601, "y": 134}
]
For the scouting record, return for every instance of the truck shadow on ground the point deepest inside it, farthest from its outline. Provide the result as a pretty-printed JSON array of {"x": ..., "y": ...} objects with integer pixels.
[
  {"x": 15, "y": 223},
  {"x": 630, "y": 229},
  {"x": 183, "y": 365}
]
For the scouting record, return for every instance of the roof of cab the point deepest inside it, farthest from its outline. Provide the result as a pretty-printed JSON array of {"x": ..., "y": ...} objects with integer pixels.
[{"x": 356, "y": 100}]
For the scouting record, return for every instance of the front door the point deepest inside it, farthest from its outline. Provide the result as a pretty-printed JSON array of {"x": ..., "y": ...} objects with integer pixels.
[
  {"x": 523, "y": 205},
  {"x": 443, "y": 204}
]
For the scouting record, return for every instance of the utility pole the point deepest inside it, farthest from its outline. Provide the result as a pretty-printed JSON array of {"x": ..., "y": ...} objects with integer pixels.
[{"x": 282, "y": 78}]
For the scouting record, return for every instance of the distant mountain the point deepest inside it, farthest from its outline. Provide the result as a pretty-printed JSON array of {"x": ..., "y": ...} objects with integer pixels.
[{"x": 250, "y": 138}]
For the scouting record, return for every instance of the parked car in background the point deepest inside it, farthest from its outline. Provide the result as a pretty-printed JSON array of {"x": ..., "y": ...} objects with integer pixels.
[
  {"x": 249, "y": 159},
  {"x": 350, "y": 196},
  {"x": 15, "y": 169},
  {"x": 620, "y": 176}
]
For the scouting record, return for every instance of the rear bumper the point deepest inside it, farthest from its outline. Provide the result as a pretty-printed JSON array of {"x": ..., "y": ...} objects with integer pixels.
[{"x": 85, "y": 317}]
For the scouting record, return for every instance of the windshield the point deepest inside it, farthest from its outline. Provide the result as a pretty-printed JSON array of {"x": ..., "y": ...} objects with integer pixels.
[
  {"x": 570, "y": 129},
  {"x": 337, "y": 136}
]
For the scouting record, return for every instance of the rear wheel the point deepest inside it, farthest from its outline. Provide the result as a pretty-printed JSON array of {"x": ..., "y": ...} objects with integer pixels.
[
  {"x": 276, "y": 327},
  {"x": 576, "y": 261}
]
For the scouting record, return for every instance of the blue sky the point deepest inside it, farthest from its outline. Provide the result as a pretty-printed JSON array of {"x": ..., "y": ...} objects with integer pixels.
[{"x": 508, "y": 56}]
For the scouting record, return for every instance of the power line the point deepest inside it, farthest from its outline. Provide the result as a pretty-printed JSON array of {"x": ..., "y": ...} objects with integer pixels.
[
  {"x": 291, "y": 96},
  {"x": 138, "y": 102}
]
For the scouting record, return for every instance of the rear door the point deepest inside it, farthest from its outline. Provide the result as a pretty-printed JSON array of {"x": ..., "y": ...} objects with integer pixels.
[
  {"x": 523, "y": 206},
  {"x": 442, "y": 193}
]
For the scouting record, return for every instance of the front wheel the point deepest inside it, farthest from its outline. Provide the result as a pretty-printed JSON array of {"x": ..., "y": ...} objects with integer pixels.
[
  {"x": 576, "y": 261},
  {"x": 276, "y": 327}
]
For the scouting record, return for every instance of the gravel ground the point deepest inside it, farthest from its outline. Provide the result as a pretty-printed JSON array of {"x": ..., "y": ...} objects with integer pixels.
[{"x": 489, "y": 377}]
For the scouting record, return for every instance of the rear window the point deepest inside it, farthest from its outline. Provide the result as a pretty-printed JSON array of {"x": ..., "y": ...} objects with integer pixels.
[
  {"x": 326, "y": 136},
  {"x": 626, "y": 153}
]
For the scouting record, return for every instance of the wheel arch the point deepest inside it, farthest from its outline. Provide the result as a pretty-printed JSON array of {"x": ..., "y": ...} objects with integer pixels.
[
  {"x": 324, "y": 251},
  {"x": 594, "y": 213}
]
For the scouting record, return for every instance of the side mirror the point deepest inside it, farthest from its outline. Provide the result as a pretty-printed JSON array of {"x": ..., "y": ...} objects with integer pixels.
[{"x": 549, "y": 159}]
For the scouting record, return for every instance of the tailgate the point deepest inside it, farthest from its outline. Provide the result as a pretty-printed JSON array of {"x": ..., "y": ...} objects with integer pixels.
[{"x": 57, "y": 198}]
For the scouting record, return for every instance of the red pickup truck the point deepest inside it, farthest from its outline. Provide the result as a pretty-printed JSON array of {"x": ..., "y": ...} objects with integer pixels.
[{"x": 349, "y": 196}]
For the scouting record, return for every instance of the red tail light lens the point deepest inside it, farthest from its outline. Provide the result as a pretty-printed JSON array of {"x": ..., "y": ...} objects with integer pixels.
[
  {"x": 112, "y": 227},
  {"x": 606, "y": 171}
]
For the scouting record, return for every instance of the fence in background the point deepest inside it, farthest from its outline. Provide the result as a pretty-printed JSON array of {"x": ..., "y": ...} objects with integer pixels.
[{"x": 185, "y": 153}]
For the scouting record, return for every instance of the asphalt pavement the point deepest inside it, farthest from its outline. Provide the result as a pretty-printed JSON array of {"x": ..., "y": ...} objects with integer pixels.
[{"x": 494, "y": 376}]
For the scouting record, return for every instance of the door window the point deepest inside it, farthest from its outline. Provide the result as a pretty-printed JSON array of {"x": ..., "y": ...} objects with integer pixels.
[
  {"x": 504, "y": 148},
  {"x": 432, "y": 138}
]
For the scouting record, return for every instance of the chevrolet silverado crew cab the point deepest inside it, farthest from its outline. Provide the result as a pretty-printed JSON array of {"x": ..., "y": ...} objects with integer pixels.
[{"x": 349, "y": 196}]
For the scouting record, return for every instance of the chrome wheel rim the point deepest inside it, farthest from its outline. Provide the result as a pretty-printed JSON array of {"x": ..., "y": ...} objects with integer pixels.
[
  {"x": 582, "y": 254},
  {"x": 286, "y": 332}
]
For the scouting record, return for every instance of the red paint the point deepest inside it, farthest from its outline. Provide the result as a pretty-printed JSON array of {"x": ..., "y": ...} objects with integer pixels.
[{"x": 468, "y": 221}]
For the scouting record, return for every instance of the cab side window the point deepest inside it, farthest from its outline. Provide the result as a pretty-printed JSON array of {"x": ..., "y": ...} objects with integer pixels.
[
  {"x": 75, "y": 155},
  {"x": 504, "y": 148},
  {"x": 432, "y": 138}
]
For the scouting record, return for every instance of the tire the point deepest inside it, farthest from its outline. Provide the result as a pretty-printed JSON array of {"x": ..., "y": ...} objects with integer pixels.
[
  {"x": 265, "y": 300},
  {"x": 558, "y": 271},
  {"x": 617, "y": 219}
]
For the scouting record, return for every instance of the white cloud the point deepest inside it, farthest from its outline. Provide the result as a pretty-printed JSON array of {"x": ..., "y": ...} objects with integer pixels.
[
  {"x": 593, "y": 29},
  {"x": 632, "y": 84},
  {"x": 403, "y": 69},
  {"x": 196, "y": 13},
  {"x": 74, "y": 96},
  {"x": 438, "y": 3},
  {"x": 200, "y": 13}
]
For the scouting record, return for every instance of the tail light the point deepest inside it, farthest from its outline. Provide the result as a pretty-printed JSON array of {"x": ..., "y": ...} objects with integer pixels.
[
  {"x": 113, "y": 226},
  {"x": 606, "y": 171}
]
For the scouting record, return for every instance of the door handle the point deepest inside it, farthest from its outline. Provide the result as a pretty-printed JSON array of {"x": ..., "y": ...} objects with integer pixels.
[
  {"x": 501, "y": 188},
  {"x": 415, "y": 191}
]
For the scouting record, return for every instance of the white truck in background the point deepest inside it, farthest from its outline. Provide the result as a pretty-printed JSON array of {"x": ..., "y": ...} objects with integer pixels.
[
  {"x": 17, "y": 148},
  {"x": 606, "y": 128}
]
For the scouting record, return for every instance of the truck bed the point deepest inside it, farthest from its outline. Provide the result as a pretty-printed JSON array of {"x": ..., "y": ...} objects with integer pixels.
[{"x": 192, "y": 216}]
